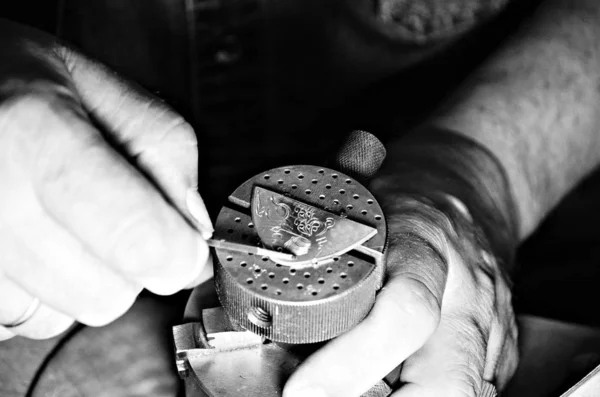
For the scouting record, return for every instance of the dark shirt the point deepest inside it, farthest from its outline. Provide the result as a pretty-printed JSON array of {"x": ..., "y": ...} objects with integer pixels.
[{"x": 273, "y": 82}]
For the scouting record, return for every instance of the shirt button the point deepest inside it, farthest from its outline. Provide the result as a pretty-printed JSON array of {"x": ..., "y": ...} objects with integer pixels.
[{"x": 230, "y": 51}]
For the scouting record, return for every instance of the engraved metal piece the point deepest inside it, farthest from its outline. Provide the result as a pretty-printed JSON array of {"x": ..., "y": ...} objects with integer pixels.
[{"x": 313, "y": 235}]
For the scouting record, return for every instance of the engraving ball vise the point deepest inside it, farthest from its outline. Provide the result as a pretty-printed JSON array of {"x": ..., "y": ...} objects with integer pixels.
[{"x": 298, "y": 259}]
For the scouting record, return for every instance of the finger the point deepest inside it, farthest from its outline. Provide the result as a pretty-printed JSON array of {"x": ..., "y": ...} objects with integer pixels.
[
  {"x": 405, "y": 314},
  {"x": 207, "y": 274},
  {"x": 57, "y": 268},
  {"x": 11, "y": 308},
  {"x": 5, "y": 334},
  {"x": 502, "y": 350},
  {"x": 100, "y": 198},
  {"x": 14, "y": 300},
  {"x": 506, "y": 363},
  {"x": 160, "y": 140},
  {"x": 450, "y": 364},
  {"x": 44, "y": 323}
]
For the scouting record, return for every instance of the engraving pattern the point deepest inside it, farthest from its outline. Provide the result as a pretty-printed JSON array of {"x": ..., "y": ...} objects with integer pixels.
[{"x": 294, "y": 226}]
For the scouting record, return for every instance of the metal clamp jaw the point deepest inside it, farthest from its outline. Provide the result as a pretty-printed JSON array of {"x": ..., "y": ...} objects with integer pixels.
[{"x": 215, "y": 358}]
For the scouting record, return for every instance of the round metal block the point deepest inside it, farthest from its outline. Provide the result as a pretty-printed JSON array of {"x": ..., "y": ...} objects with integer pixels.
[{"x": 312, "y": 302}]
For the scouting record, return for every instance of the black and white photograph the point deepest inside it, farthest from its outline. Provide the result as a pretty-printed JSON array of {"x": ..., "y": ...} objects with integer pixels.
[{"x": 299, "y": 198}]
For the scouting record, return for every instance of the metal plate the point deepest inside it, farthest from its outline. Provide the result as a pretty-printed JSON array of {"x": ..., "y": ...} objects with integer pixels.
[{"x": 311, "y": 234}]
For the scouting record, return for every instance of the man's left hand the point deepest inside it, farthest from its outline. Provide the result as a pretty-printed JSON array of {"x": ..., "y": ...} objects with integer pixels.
[{"x": 445, "y": 313}]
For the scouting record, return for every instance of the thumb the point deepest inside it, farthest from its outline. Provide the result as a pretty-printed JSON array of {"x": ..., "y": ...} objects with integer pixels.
[
  {"x": 161, "y": 142},
  {"x": 405, "y": 315}
]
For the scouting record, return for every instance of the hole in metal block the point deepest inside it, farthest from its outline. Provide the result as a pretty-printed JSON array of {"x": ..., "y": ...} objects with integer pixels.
[{"x": 260, "y": 317}]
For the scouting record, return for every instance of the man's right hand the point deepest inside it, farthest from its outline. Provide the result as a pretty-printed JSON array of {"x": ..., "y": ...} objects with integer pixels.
[{"x": 98, "y": 187}]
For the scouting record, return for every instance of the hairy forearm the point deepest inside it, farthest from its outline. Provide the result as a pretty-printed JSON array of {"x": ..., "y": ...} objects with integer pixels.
[
  {"x": 535, "y": 105},
  {"x": 511, "y": 142}
]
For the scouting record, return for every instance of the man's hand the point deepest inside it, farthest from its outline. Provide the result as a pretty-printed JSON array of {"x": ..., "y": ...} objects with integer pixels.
[
  {"x": 99, "y": 190},
  {"x": 445, "y": 312}
]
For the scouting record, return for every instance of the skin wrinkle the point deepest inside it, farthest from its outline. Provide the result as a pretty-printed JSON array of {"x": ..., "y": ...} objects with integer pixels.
[
  {"x": 462, "y": 369},
  {"x": 178, "y": 128},
  {"x": 118, "y": 123},
  {"x": 150, "y": 115},
  {"x": 37, "y": 161},
  {"x": 448, "y": 224},
  {"x": 421, "y": 227},
  {"x": 466, "y": 378},
  {"x": 70, "y": 61},
  {"x": 126, "y": 224},
  {"x": 472, "y": 339},
  {"x": 427, "y": 300}
]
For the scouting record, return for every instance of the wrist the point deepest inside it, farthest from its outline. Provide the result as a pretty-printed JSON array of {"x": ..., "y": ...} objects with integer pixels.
[{"x": 461, "y": 187}]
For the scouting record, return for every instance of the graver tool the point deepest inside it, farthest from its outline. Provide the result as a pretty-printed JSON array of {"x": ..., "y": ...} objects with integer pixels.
[{"x": 323, "y": 237}]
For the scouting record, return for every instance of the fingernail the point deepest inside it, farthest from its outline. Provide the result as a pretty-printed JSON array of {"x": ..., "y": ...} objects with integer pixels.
[
  {"x": 198, "y": 211},
  {"x": 310, "y": 391}
]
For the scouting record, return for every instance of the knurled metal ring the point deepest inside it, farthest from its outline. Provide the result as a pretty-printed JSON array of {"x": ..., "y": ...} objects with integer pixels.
[{"x": 296, "y": 304}]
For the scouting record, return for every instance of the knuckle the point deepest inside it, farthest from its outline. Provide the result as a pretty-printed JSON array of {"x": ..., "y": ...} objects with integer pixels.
[
  {"x": 139, "y": 246},
  {"x": 416, "y": 300},
  {"x": 185, "y": 132},
  {"x": 24, "y": 103},
  {"x": 180, "y": 131},
  {"x": 173, "y": 130},
  {"x": 36, "y": 103},
  {"x": 18, "y": 116},
  {"x": 55, "y": 169},
  {"x": 174, "y": 149},
  {"x": 165, "y": 287},
  {"x": 423, "y": 298}
]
